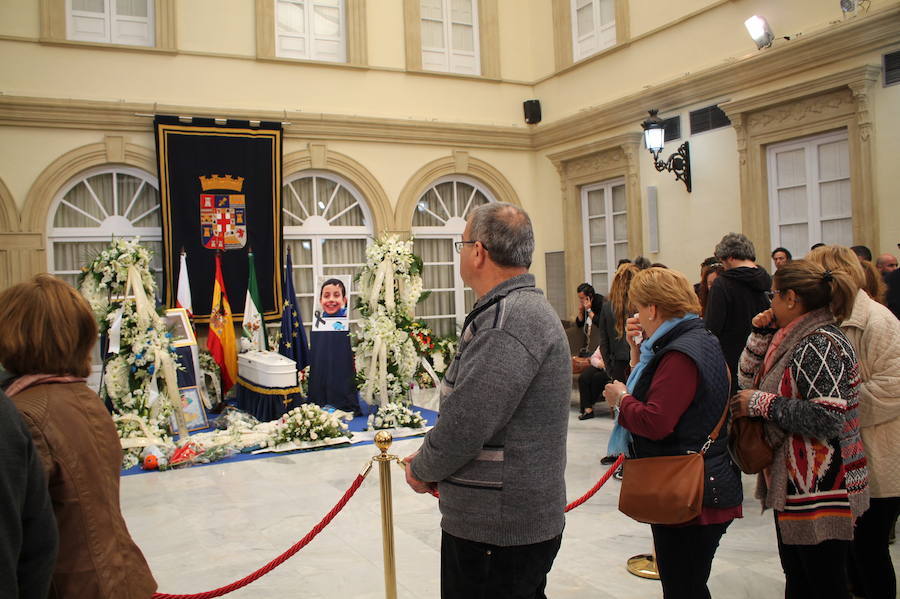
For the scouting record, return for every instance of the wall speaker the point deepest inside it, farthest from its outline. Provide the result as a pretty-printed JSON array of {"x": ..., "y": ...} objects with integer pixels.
[{"x": 532, "y": 111}]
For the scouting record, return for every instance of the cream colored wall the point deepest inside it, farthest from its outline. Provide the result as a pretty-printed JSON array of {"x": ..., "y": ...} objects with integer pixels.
[
  {"x": 708, "y": 40},
  {"x": 645, "y": 16},
  {"x": 385, "y": 32},
  {"x": 526, "y": 42},
  {"x": 886, "y": 158},
  {"x": 20, "y": 18},
  {"x": 690, "y": 224},
  {"x": 219, "y": 26},
  {"x": 26, "y": 151}
]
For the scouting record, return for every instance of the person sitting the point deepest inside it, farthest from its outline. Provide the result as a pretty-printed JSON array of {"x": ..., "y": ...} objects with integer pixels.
[
  {"x": 799, "y": 374},
  {"x": 49, "y": 332},
  {"x": 673, "y": 400},
  {"x": 589, "y": 304}
]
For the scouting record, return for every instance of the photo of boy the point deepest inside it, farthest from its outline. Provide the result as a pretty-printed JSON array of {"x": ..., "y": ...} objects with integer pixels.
[{"x": 334, "y": 298}]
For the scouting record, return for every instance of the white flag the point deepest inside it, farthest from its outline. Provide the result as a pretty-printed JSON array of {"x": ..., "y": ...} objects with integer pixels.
[
  {"x": 183, "y": 299},
  {"x": 253, "y": 325}
]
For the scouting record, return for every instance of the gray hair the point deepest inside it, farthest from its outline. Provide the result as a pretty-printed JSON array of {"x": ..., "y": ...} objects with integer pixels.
[
  {"x": 505, "y": 230},
  {"x": 737, "y": 246}
]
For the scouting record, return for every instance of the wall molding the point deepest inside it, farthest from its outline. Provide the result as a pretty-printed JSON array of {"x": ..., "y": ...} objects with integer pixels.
[
  {"x": 836, "y": 101},
  {"x": 318, "y": 156},
  {"x": 9, "y": 215},
  {"x": 595, "y": 162},
  {"x": 45, "y": 187},
  {"x": 458, "y": 162}
]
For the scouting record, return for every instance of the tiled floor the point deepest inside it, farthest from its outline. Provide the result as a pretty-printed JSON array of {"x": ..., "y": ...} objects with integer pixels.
[{"x": 202, "y": 528}]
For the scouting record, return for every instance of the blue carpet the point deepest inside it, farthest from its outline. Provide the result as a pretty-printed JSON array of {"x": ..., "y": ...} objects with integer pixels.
[{"x": 358, "y": 424}]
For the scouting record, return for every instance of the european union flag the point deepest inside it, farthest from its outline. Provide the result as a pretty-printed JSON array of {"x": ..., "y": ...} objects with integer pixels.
[{"x": 293, "y": 336}]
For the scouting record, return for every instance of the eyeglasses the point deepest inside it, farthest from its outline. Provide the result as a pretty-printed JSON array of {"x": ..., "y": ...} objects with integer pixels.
[
  {"x": 459, "y": 245},
  {"x": 771, "y": 294}
]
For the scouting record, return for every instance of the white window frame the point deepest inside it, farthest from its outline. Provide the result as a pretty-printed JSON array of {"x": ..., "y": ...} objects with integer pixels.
[
  {"x": 110, "y": 26},
  {"x": 447, "y": 59},
  {"x": 814, "y": 218},
  {"x": 611, "y": 241},
  {"x": 309, "y": 38},
  {"x": 583, "y": 46},
  {"x": 114, "y": 225},
  {"x": 453, "y": 229},
  {"x": 315, "y": 230}
]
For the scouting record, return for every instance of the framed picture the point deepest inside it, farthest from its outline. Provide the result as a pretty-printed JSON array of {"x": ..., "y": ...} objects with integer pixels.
[
  {"x": 194, "y": 414},
  {"x": 178, "y": 324},
  {"x": 333, "y": 311}
]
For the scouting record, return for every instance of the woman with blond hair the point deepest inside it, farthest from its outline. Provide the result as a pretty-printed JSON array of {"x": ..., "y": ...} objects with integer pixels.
[
  {"x": 874, "y": 332},
  {"x": 48, "y": 334},
  {"x": 800, "y": 375},
  {"x": 674, "y": 398}
]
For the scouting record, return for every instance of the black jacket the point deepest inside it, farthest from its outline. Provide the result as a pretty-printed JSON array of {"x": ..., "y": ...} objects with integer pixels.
[
  {"x": 722, "y": 483},
  {"x": 596, "y": 306},
  {"x": 28, "y": 534},
  {"x": 737, "y": 295},
  {"x": 612, "y": 346}
]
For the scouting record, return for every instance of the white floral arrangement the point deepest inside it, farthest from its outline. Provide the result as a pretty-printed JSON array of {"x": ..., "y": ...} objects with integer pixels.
[
  {"x": 131, "y": 382},
  {"x": 308, "y": 422},
  {"x": 395, "y": 415},
  {"x": 105, "y": 277},
  {"x": 390, "y": 286}
]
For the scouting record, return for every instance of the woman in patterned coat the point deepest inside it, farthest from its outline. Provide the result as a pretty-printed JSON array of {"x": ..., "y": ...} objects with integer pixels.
[
  {"x": 875, "y": 334},
  {"x": 801, "y": 376}
]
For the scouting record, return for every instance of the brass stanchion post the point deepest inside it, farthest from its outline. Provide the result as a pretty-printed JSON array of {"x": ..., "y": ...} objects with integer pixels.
[
  {"x": 644, "y": 565},
  {"x": 383, "y": 440}
]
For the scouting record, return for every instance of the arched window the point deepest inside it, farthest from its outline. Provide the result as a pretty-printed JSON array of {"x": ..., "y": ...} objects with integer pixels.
[
  {"x": 100, "y": 204},
  {"x": 438, "y": 221},
  {"x": 327, "y": 226}
]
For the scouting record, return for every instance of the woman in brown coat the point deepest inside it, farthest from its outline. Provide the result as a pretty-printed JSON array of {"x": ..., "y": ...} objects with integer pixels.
[{"x": 49, "y": 333}]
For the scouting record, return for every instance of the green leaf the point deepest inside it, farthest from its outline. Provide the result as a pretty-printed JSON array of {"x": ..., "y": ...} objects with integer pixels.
[{"x": 424, "y": 296}]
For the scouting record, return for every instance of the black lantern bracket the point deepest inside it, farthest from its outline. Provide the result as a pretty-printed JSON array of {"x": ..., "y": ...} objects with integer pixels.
[{"x": 678, "y": 163}]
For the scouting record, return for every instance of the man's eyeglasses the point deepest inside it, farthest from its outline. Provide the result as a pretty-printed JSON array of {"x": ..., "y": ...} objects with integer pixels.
[
  {"x": 459, "y": 245},
  {"x": 771, "y": 294}
]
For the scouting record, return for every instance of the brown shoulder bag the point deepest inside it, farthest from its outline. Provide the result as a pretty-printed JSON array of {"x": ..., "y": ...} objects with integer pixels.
[{"x": 666, "y": 489}]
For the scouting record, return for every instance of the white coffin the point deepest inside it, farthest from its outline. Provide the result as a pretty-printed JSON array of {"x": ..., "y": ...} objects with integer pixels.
[{"x": 268, "y": 369}]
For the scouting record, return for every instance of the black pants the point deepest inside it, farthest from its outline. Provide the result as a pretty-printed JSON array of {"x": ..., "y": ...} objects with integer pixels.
[
  {"x": 814, "y": 571},
  {"x": 871, "y": 569},
  {"x": 471, "y": 570},
  {"x": 684, "y": 556},
  {"x": 590, "y": 386}
]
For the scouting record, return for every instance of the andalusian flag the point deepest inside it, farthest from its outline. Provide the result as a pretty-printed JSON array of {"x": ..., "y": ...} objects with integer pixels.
[
  {"x": 221, "y": 342},
  {"x": 253, "y": 325}
]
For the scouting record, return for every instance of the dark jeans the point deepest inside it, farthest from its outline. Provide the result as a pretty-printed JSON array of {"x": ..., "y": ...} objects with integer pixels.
[
  {"x": 871, "y": 569},
  {"x": 471, "y": 570},
  {"x": 814, "y": 571},
  {"x": 684, "y": 556},
  {"x": 590, "y": 386}
]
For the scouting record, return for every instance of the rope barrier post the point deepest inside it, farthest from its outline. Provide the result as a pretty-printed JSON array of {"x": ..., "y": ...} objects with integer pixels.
[
  {"x": 644, "y": 565},
  {"x": 383, "y": 440}
]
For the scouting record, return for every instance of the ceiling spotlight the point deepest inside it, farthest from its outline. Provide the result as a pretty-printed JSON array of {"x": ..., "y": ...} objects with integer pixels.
[{"x": 759, "y": 30}]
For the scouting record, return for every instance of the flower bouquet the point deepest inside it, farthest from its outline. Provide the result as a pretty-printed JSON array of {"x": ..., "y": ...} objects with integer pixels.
[
  {"x": 308, "y": 423},
  {"x": 395, "y": 415}
]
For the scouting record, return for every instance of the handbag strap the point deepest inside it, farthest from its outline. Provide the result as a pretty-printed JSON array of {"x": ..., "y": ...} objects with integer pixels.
[{"x": 715, "y": 432}]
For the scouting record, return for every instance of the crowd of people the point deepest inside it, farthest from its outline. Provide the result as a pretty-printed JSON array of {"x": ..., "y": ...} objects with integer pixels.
[{"x": 811, "y": 352}]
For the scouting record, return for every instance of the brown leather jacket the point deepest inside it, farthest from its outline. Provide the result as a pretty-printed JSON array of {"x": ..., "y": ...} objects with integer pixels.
[{"x": 81, "y": 454}]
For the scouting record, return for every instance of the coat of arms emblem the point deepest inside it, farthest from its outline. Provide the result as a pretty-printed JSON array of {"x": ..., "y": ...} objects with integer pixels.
[{"x": 223, "y": 215}]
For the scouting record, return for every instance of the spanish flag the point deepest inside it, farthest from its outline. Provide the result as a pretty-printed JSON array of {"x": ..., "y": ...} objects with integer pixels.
[{"x": 221, "y": 342}]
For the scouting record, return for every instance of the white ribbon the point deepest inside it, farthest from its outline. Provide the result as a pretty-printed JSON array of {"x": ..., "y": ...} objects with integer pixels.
[
  {"x": 389, "y": 286},
  {"x": 115, "y": 333},
  {"x": 382, "y": 374},
  {"x": 430, "y": 370}
]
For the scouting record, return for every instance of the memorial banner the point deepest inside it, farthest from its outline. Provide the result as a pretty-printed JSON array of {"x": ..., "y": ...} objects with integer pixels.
[{"x": 220, "y": 190}]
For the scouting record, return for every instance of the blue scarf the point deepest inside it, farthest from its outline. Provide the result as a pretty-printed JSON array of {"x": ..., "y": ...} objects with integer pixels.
[{"x": 620, "y": 439}]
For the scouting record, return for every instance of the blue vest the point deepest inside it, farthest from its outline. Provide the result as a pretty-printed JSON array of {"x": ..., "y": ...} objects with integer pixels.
[{"x": 722, "y": 485}]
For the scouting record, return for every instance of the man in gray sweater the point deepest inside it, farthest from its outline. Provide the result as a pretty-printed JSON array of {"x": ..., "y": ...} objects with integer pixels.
[{"x": 498, "y": 452}]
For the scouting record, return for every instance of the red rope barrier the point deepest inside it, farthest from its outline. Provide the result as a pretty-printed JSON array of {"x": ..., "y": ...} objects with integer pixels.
[
  {"x": 599, "y": 484},
  {"x": 583, "y": 498},
  {"x": 281, "y": 558}
]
